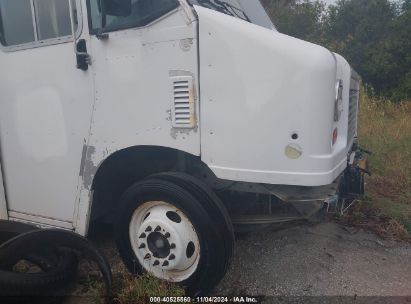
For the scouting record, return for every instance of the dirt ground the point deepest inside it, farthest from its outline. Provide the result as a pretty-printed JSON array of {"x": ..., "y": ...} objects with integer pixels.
[
  {"x": 320, "y": 260},
  {"x": 310, "y": 260}
]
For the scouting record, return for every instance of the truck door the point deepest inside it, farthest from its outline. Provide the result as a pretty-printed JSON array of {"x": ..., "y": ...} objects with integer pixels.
[
  {"x": 45, "y": 108},
  {"x": 142, "y": 64}
]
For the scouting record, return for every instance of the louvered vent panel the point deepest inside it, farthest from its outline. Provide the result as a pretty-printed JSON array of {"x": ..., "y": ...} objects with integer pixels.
[{"x": 183, "y": 108}]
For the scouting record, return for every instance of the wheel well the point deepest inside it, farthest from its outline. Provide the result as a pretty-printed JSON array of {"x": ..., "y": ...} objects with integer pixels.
[{"x": 125, "y": 167}]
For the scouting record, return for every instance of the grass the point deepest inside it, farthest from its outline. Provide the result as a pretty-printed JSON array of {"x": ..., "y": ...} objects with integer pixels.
[
  {"x": 130, "y": 289},
  {"x": 143, "y": 287},
  {"x": 385, "y": 129}
]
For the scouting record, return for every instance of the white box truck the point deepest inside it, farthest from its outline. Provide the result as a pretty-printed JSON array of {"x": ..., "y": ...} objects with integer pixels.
[{"x": 175, "y": 121}]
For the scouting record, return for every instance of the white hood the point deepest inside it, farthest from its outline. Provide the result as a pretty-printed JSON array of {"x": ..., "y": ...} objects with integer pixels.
[{"x": 258, "y": 87}]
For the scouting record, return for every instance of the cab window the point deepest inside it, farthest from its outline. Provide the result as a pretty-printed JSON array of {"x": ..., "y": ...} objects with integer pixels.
[
  {"x": 16, "y": 22},
  {"x": 53, "y": 18},
  {"x": 32, "y": 21},
  {"x": 143, "y": 12}
]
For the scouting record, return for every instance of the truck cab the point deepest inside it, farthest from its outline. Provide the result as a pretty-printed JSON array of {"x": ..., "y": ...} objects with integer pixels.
[{"x": 175, "y": 121}]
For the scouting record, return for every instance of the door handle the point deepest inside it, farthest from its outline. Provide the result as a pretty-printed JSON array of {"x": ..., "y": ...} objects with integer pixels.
[{"x": 83, "y": 58}]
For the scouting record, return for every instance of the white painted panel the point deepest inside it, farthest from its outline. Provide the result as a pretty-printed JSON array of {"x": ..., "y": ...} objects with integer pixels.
[
  {"x": 258, "y": 87},
  {"x": 42, "y": 221},
  {"x": 134, "y": 71},
  {"x": 45, "y": 113},
  {"x": 40, "y": 124}
]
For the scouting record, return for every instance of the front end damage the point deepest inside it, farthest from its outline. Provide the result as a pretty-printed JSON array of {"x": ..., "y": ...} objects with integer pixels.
[
  {"x": 263, "y": 204},
  {"x": 279, "y": 121},
  {"x": 352, "y": 185}
]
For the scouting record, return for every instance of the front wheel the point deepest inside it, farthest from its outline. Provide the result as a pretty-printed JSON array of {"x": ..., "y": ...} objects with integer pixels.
[{"x": 163, "y": 229}]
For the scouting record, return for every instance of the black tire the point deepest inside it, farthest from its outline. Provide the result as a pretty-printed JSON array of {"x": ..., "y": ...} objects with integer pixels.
[
  {"x": 213, "y": 252},
  {"x": 211, "y": 203},
  {"x": 58, "y": 268},
  {"x": 33, "y": 242},
  {"x": 42, "y": 283},
  {"x": 10, "y": 229}
]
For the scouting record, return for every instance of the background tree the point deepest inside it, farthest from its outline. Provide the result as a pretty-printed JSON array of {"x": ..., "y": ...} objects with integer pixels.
[
  {"x": 301, "y": 19},
  {"x": 374, "y": 36}
]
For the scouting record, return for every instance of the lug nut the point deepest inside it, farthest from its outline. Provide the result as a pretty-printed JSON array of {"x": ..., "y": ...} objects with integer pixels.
[
  {"x": 158, "y": 228},
  {"x": 148, "y": 229},
  {"x": 171, "y": 257},
  {"x": 147, "y": 256},
  {"x": 173, "y": 246},
  {"x": 167, "y": 235},
  {"x": 156, "y": 263},
  {"x": 142, "y": 236},
  {"x": 165, "y": 263},
  {"x": 142, "y": 246}
]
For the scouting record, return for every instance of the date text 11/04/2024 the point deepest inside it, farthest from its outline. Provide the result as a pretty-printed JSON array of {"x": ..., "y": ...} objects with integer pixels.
[{"x": 238, "y": 299}]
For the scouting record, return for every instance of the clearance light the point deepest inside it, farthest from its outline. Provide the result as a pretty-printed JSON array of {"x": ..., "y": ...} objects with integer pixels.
[
  {"x": 338, "y": 102},
  {"x": 335, "y": 136}
]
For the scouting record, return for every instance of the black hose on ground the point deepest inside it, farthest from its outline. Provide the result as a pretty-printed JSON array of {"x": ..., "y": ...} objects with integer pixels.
[
  {"x": 10, "y": 229},
  {"x": 53, "y": 251}
]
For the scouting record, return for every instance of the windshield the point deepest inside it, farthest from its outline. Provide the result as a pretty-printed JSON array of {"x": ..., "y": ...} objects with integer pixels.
[{"x": 248, "y": 10}]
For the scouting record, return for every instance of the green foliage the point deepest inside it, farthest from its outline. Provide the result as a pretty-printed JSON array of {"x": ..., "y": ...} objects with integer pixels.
[
  {"x": 300, "y": 20},
  {"x": 374, "y": 36}
]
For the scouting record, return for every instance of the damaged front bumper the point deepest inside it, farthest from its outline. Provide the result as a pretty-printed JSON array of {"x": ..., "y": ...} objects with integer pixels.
[
  {"x": 302, "y": 202},
  {"x": 352, "y": 183}
]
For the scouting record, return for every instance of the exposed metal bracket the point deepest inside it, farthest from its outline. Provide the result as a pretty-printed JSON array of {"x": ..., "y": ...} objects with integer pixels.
[{"x": 262, "y": 219}]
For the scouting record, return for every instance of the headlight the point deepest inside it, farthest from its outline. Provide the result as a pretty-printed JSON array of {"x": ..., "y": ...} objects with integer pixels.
[{"x": 338, "y": 107}]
